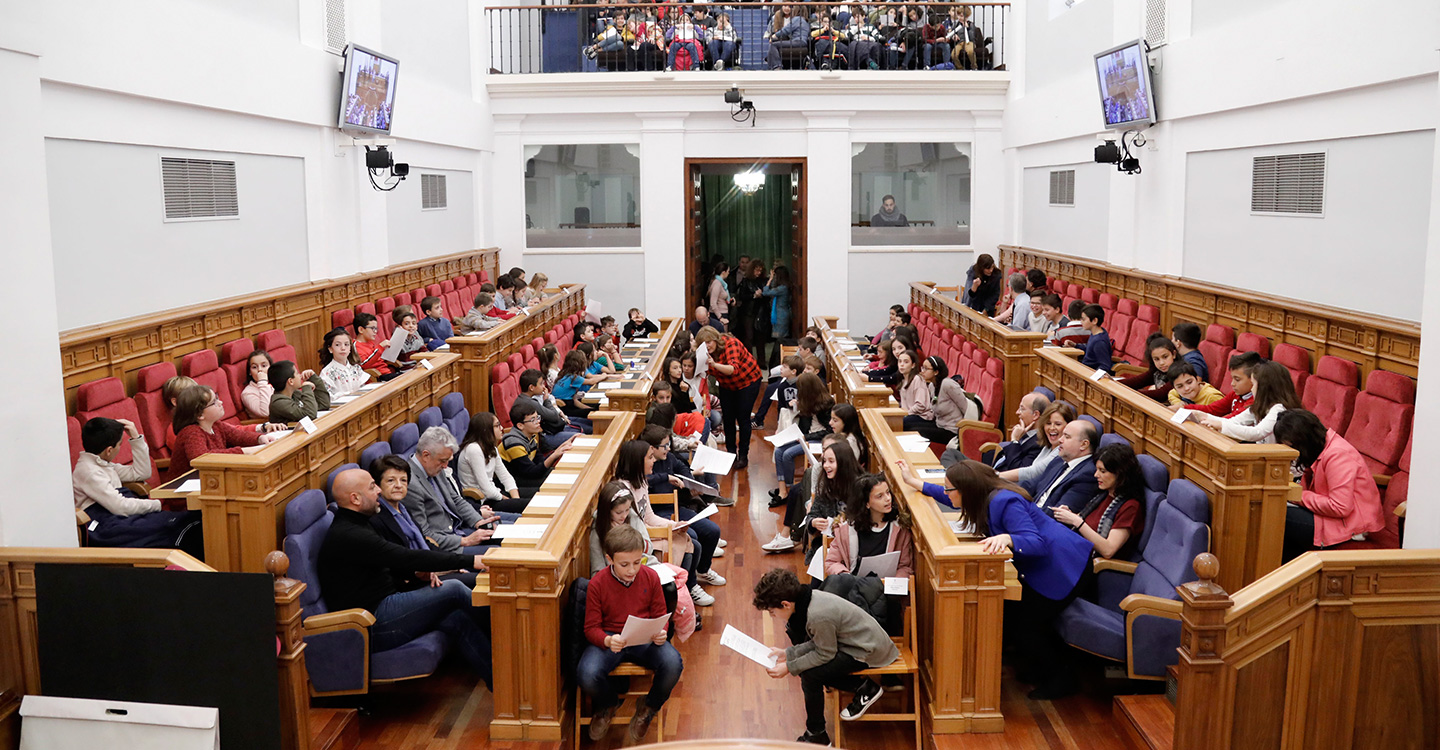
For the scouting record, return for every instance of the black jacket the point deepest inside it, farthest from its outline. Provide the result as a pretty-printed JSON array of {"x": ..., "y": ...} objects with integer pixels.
[
  {"x": 356, "y": 563},
  {"x": 987, "y": 296},
  {"x": 1017, "y": 454}
]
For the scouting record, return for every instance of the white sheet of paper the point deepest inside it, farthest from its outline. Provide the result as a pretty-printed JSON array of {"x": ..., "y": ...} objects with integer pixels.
[
  {"x": 193, "y": 485},
  {"x": 775, "y": 396},
  {"x": 707, "y": 460},
  {"x": 442, "y": 348},
  {"x": 520, "y": 530},
  {"x": 1180, "y": 416},
  {"x": 791, "y": 434},
  {"x": 562, "y": 480},
  {"x": 931, "y": 473},
  {"x": 662, "y": 570},
  {"x": 546, "y": 501},
  {"x": 839, "y": 330},
  {"x": 698, "y": 487},
  {"x": 640, "y": 630},
  {"x": 846, "y": 346},
  {"x": 320, "y": 414},
  {"x": 645, "y": 341},
  {"x": 709, "y": 510},
  {"x": 586, "y": 442},
  {"x": 372, "y": 386},
  {"x": 702, "y": 361},
  {"x": 817, "y": 567},
  {"x": 962, "y": 527},
  {"x": 579, "y": 459},
  {"x": 592, "y": 396},
  {"x": 308, "y": 425},
  {"x": 1098, "y": 375},
  {"x": 881, "y": 565},
  {"x": 397, "y": 343},
  {"x": 746, "y": 646},
  {"x": 276, "y": 435},
  {"x": 815, "y": 448},
  {"x": 341, "y": 401},
  {"x": 897, "y": 586},
  {"x": 609, "y": 385},
  {"x": 425, "y": 363}
]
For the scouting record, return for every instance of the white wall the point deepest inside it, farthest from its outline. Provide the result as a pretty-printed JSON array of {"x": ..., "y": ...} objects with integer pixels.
[
  {"x": 880, "y": 278},
  {"x": 614, "y": 278},
  {"x": 1377, "y": 212},
  {"x": 1082, "y": 228},
  {"x": 417, "y": 233}
]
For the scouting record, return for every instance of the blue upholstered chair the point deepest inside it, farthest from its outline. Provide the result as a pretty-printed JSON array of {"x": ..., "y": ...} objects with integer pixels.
[
  {"x": 1098, "y": 427},
  {"x": 330, "y": 480},
  {"x": 456, "y": 416},
  {"x": 337, "y": 644},
  {"x": 428, "y": 418},
  {"x": 372, "y": 453},
  {"x": 1110, "y": 438},
  {"x": 1136, "y": 618},
  {"x": 1046, "y": 392},
  {"x": 1157, "y": 479},
  {"x": 404, "y": 439}
]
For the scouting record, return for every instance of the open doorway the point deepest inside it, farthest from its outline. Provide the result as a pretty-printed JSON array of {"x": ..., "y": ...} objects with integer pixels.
[{"x": 761, "y": 217}]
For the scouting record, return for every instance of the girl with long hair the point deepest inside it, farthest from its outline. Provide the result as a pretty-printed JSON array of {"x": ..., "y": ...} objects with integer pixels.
[{"x": 482, "y": 468}]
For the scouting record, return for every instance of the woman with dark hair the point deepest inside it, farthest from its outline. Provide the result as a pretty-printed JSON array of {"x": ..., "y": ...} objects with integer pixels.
[
  {"x": 1160, "y": 354},
  {"x": 481, "y": 467},
  {"x": 982, "y": 286},
  {"x": 874, "y": 524},
  {"x": 717, "y": 295},
  {"x": 1051, "y": 561},
  {"x": 1339, "y": 500},
  {"x": 845, "y": 423},
  {"x": 738, "y": 379},
  {"x": 1048, "y": 429},
  {"x": 1274, "y": 393},
  {"x": 1114, "y": 518}
]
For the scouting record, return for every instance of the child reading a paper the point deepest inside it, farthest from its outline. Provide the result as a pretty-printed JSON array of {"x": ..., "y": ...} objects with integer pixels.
[
  {"x": 626, "y": 587},
  {"x": 833, "y": 640}
]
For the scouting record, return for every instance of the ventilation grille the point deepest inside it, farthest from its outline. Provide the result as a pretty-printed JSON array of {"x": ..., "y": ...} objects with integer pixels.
[
  {"x": 1062, "y": 187},
  {"x": 432, "y": 191},
  {"x": 1288, "y": 184},
  {"x": 335, "y": 26},
  {"x": 199, "y": 188},
  {"x": 1154, "y": 23}
]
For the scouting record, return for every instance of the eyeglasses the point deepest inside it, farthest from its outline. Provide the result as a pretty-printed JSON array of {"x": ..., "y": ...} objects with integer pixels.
[{"x": 532, "y": 418}]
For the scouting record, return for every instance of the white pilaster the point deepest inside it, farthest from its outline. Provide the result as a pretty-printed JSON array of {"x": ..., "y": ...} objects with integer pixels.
[
  {"x": 1422, "y": 520},
  {"x": 827, "y": 223},
  {"x": 662, "y": 213}
]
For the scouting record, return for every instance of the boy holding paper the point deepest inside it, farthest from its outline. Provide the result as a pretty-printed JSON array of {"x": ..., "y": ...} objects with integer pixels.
[
  {"x": 627, "y": 587},
  {"x": 833, "y": 640}
]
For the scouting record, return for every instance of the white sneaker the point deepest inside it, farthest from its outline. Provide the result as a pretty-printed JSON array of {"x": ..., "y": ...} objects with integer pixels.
[
  {"x": 780, "y": 543},
  {"x": 719, "y": 64},
  {"x": 718, "y": 552},
  {"x": 722, "y": 544},
  {"x": 699, "y": 596},
  {"x": 710, "y": 578},
  {"x": 719, "y": 439}
]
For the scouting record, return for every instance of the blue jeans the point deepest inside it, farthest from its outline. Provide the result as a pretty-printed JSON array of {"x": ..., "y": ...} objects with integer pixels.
[
  {"x": 691, "y": 46},
  {"x": 721, "y": 49},
  {"x": 942, "y": 48},
  {"x": 785, "y": 460},
  {"x": 402, "y": 617},
  {"x": 550, "y": 442},
  {"x": 770, "y": 390},
  {"x": 704, "y": 534},
  {"x": 596, "y": 664}
]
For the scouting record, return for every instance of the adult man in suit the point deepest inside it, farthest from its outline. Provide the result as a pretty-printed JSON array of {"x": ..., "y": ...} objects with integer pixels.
[
  {"x": 444, "y": 516},
  {"x": 395, "y": 524},
  {"x": 1071, "y": 480},
  {"x": 1024, "y": 443}
]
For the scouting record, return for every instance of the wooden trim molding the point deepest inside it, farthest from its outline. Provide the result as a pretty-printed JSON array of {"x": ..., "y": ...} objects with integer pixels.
[
  {"x": 302, "y": 311},
  {"x": 1372, "y": 341}
]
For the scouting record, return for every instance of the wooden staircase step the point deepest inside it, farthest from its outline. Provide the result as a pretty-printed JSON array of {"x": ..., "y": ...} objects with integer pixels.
[
  {"x": 1149, "y": 720},
  {"x": 334, "y": 729}
]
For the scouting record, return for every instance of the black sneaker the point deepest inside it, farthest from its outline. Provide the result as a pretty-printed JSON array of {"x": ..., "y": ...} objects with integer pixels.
[
  {"x": 757, "y": 424},
  {"x": 865, "y": 697},
  {"x": 822, "y": 738},
  {"x": 742, "y": 462}
]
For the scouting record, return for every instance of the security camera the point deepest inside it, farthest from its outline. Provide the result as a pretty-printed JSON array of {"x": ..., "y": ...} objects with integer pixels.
[
  {"x": 378, "y": 159},
  {"x": 733, "y": 96}
]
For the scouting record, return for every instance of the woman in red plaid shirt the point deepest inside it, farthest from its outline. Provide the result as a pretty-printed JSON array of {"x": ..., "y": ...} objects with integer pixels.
[{"x": 738, "y": 378}]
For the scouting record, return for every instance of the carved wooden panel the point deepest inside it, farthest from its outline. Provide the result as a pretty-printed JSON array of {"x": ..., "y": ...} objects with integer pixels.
[
  {"x": 1259, "y": 721},
  {"x": 1397, "y": 677}
]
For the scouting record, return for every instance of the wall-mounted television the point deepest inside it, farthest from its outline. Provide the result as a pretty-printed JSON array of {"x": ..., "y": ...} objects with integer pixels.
[
  {"x": 1127, "y": 92},
  {"x": 367, "y": 92}
]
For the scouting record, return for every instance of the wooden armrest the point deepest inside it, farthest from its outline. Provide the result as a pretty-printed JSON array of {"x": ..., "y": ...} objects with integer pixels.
[
  {"x": 473, "y": 494},
  {"x": 1143, "y": 604},
  {"x": 1122, "y": 369},
  {"x": 82, "y": 518},
  {"x": 1382, "y": 479},
  {"x": 337, "y": 620},
  {"x": 1120, "y": 566},
  {"x": 955, "y": 288},
  {"x": 995, "y": 447},
  {"x": 1400, "y": 509},
  {"x": 373, "y": 373},
  {"x": 139, "y": 488},
  {"x": 667, "y": 498},
  {"x": 658, "y": 532},
  {"x": 160, "y": 463}
]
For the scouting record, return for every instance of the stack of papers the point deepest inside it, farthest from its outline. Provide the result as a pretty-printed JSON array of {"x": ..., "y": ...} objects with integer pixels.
[
  {"x": 521, "y": 530},
  {"x": 586, "y": 441},
  {"x": 931, "y": 474},
  {"x": 546, "y": 501},
  {"x": 707, "y": 460},
  {"x": 609, "y": 385},
  {"x": 913, "y": 443},
  {"x": 561, "y": 480},
  {"x": 193, "y": 485},
  {"x": 579, "y": 459}
]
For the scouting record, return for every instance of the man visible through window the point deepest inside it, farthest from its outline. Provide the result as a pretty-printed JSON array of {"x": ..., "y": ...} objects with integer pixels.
[{"x": 889, "y": 214}]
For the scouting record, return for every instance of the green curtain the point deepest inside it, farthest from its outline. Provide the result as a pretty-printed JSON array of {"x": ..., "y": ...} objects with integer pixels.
[{"x": 756, "y": 225}]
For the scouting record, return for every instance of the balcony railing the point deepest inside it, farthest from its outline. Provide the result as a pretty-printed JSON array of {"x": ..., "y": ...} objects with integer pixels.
[{"x": 584, "y": 38}]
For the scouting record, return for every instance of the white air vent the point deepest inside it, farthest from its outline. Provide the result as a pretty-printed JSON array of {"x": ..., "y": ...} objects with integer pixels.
[
  {"x": 335, "y": 26},
  {"x": 199, "y": 188},
  {"x": 1288, "y": 184},
  {"x": 432, "y": 192},
  {"x": 1062, "y": 187},
  {"x": 1154, "y": 23}
]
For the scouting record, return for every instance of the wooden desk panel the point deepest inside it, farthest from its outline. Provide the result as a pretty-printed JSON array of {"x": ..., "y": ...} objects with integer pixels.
[
  {"x": 847, "y": 384},
  {"x": 637, "y": 398},
  {"x": 1247, "y": 484},
  {"x": 479, "y": 353},
  {"x": 243, "y": 497}
]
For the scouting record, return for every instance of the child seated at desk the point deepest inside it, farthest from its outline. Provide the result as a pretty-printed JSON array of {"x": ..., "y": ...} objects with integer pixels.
[
  {"x": 370, "y": 348},
  {"x": 340, "y": 365},
  {"x": 198, "y": 430},
  {"x": 170, "y": 393},
  {"x": 639, "y": 326},
  {"x": 571, "y": 384},
  {"x": 1187, "y": 389},
  {"x": 873, "y": 525},
  {"x": 119, "y": 517},
  {"x": 407, "y": 325},
  {"x": 300, "y": 394},
  {"x": 435, "y": 327},
  {"x": 614, "y": 507},
  {"x": 255, "y": 397},
  {"x": 626, "y": 587}
]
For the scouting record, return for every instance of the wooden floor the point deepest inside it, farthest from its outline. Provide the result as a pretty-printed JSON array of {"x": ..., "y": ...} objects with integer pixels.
[{"x": 724, "y": 695}]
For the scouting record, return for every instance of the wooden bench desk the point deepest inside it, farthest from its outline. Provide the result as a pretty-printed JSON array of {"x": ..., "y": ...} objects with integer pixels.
[{"x": 481, "y": 351}]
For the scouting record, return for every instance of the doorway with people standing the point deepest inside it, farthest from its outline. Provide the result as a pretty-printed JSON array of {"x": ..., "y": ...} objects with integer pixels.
[{"x": 746, "y": 218}]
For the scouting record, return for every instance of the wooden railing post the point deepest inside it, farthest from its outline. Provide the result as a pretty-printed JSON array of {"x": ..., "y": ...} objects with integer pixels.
[
  {"x": 1200, "y": 710},
  {"x": 294, "y": 680}
]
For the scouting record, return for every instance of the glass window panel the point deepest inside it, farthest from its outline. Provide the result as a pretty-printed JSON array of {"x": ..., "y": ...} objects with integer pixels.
[
  {"x": 930, "y": 187},
  {"x": 585, "y": 195}
]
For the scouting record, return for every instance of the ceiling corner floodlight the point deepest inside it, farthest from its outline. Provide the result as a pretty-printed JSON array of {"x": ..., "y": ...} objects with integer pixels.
[{"x": 749, "y": 182}]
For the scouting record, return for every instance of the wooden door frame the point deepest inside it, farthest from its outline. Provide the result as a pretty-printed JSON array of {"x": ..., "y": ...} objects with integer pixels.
[{"x": 800, "y": 314}]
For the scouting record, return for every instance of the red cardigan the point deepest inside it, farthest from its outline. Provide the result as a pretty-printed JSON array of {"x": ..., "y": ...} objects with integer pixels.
[{"x": 193, "y": 441}]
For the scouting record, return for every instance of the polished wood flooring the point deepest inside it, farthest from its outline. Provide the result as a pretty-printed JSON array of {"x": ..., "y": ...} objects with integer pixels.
[{"x": 724, "y": 695}]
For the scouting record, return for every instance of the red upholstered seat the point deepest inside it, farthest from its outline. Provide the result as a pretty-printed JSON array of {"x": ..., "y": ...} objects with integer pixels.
[
  {"x": 418, "y": 295},
  {"x": 1067, "y": 301},
  {"x": 1125, "y": 306},
  {"x": 447, "y": 286},
  {"x": 1140, "y": 332},
  {"x": 1108, "y": 303},
  {"x": 1118, "y": 326},
  {"x": 273, "y": 342},
  {"x": 72, "y": 431},
  {"x": 1149, "y": 314},
  {"x": 365, "y": 307},
  {"x": 1297, "y": 361},
  {"x": 1331, "y": 391},
  {"x": 155, "y": 414},
  {"x": 433, "y": 290},
  {"x": 472, "y": 279},
  {"x": 204, "y": 368},
  {"x": 403, "y": 298},
  {"x": 1072, "y": 290},
  {"x": 991, "y": 391},
  {"x": 1391, "y": 496},
  {"x": 106, "y": 398},
  {"x": 343, "y": 319},
  {"x": 1253, "y": 342},
  {"x": 1216, "y": 348},
  {"x": 1380, "y": 425},
  {"x": 234, "y": 361},
  {"x": 484, "y": 277},
  {"x": 995, "y": 366},
  {"x": 454, "y": 301},
  {"x": 385, "y": 312},
  {"x": 1091, "y": 296},
  {"x": 504, "y": 389}
]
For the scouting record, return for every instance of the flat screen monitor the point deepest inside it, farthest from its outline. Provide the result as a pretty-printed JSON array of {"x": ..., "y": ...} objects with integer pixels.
[
  {"x": 1127, "y": 92},
  {"x": 367, "y": 94}
]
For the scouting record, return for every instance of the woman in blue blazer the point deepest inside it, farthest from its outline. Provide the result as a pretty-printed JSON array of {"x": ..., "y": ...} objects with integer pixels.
[{"x": 1050, "y": 558}]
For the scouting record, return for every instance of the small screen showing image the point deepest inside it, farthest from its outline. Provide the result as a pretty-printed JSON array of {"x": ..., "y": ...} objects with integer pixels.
[
  {"x": 369, "y": 92},
  {"x": 1125, "y": 89}
]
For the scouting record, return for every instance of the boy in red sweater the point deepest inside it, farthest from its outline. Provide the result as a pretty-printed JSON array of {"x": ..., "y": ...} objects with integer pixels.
[
  {"x": 1241, "y": 384},
  {"x": 625, "y": 587}
]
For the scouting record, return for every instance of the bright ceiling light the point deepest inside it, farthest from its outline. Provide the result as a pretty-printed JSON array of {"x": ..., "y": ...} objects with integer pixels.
[{"x": 749, "y": 182}]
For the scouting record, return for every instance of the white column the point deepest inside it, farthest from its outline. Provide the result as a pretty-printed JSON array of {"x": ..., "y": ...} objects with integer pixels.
[
  {"x": 827, "y": 224},
  {"x": 662, "y": 214},
  {"x": 507, "y": 178},
  {"x": 1422, "y": 519},
  {"x": 990, "y": 166},
  {"x": 35, "y": 508}
]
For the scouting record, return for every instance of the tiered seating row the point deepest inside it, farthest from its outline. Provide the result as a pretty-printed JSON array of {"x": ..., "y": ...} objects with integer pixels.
[
  {"x": 300, "y": 314},
  {"x": 491, "y": 362}
]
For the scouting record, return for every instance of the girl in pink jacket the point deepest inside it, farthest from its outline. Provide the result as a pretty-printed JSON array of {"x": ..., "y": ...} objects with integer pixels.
[
  {"x": 874, "y": 525},
  {"x": 1339, "y": 499}
]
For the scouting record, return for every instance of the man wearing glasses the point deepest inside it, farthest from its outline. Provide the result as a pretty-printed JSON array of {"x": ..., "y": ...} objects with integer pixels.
[
  {"x": 520, "y": 450},
  {"x": 445, "y": 517}
]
